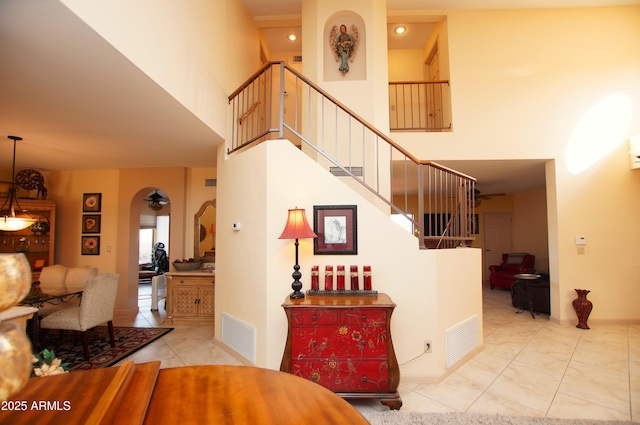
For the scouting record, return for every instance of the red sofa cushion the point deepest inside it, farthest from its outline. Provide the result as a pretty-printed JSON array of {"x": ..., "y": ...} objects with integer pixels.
[{"x": 503, "y": 275}]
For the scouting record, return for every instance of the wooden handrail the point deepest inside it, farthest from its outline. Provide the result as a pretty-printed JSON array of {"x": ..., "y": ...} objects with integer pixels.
[
  {"x": 433, "y": 179},
  {"x": 346, "y": 110},
  {"x": 250, "y": 79},
  {"x": 372, "y": 128},
  {"x": 246, "y": 114}
]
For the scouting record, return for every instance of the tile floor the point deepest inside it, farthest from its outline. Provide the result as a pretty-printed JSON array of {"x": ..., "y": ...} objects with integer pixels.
[{"x": 528, "y": 367}]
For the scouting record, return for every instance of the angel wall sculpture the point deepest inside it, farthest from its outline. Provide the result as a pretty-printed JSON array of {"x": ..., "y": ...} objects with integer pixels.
[{"x": 344, "y": 45}]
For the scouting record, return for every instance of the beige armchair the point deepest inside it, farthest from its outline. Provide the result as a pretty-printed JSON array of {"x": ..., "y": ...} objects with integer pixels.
[{"x": 97, "y": 306}]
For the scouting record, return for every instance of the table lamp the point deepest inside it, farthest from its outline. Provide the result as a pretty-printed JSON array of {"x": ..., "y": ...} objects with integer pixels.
[{"x": 296, "y": 228}]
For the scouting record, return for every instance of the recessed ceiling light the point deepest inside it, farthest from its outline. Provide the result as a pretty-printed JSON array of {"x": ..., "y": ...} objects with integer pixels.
[
  {"x": 293, "y": 37},
  {"x": 400, "y": 29}
]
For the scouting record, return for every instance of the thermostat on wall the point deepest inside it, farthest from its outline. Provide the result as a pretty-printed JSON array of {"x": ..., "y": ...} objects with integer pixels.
[
  {"x": 236, "y": 226},
  {"x": 581, "y": 240}
]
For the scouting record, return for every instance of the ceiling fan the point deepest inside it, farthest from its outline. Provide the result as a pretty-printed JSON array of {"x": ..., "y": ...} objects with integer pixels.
[
  {"x": 156, "y": 201},
  {"x": 479, "y": 197}
]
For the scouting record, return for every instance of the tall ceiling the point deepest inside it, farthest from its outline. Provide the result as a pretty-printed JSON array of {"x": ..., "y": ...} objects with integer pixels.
[
  {"x": 263, "y": 8},
  {"x": 79, "y": 104}
]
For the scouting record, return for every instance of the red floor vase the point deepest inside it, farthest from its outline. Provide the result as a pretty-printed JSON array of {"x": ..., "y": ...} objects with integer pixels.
[{"x": 583, "y": 307}]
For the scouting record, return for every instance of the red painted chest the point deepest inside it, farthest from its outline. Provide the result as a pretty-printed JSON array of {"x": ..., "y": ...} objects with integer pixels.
[{"x": 344, "y": 344}]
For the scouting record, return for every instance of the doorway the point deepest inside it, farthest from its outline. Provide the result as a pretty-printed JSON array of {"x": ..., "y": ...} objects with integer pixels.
[
  {"x": 155, "y": 221},
  {"x": 497, "y": 239},
  {"x": 153, "y": 237}
]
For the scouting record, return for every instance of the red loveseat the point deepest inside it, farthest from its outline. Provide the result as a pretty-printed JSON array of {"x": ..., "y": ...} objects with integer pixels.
[{"x": 515, "y": 263}]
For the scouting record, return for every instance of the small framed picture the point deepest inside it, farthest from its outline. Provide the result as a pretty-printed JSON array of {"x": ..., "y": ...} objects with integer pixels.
[
  {"x": 92, "y": 202},
  {"x": 39, "y": 263},
  {"x": 90, "y": 245},
  {"x": 337, "y": 229},
  {"x": 91, "y": 223}
]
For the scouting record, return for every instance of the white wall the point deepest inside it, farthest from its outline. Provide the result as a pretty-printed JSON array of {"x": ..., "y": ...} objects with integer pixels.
[
  {"x": 521, "y": 81},
  {"x": 530, "y": 226},
  {"x": 373, "y": 57},
  {"x": 182, "y": 46},
  {"x": 253, "y": 275}
]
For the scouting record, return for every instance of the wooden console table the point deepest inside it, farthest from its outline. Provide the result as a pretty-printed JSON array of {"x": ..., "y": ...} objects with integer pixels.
[
  {"x": 145, "y": 394},
  {"x": 344, "y": 344},
  {"x": 190, "y": 297}
]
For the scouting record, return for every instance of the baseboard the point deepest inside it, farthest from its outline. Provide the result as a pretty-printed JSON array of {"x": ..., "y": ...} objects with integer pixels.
[
  {"x": 595, "y": 322},
  {"x": 218, "y": 342},
  {"x": 431, "y": 379},
  {"x": 131, "y": 311}
]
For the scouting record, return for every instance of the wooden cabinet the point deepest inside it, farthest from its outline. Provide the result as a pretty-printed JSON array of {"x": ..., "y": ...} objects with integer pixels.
[
  {"x": 40, "y": 243},
  {"x": 190, "y": 297},
  {"x": 344, "y": 344}
]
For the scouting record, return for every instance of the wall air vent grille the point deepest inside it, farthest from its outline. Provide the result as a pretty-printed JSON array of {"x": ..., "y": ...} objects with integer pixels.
[
  {"x": 297, "y": 59},
  {"x": 210, "y": 182},
  {"x": 461, "y": 340},
  {"x": 340, "y": 172},
  {"x": 239, "y": 336}
]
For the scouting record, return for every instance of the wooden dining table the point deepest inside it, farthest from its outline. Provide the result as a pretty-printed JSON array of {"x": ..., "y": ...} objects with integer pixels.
[{"x": 208, "y": 394}]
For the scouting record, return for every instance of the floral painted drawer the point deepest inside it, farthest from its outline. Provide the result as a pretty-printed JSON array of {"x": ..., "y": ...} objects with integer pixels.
[
  {"x": 359, "y": 333},
  {"x": 344, "y": 344}
]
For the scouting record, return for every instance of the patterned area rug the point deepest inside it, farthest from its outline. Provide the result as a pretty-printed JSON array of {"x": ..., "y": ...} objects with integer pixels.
[{"x": 128, "y": 341}]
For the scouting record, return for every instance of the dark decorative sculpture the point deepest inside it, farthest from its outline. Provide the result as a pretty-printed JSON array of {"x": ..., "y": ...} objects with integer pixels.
[
  {"x": 583, "y": 308},
  {"x": 160, "y": 260}
]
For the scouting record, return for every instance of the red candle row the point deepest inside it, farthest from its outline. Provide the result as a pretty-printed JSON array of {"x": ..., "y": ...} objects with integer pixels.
[{"x": 340, "y": 278}]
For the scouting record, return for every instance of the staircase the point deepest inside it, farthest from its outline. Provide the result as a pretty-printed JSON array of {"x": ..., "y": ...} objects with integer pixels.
[{"x": 350, "y": 147}]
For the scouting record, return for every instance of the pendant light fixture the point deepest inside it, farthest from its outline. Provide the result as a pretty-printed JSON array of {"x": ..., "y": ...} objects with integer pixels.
[{"x": 12, "y": 216}]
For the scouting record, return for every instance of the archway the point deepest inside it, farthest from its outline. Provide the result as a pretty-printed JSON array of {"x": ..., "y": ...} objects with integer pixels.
[{"x": 152, "y": 238}]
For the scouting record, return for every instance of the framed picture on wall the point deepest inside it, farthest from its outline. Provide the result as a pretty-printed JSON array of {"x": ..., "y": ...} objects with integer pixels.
[
  {"x": 92, "y": 202},
  {"x": 91, "y": 223},
  {"x": 90, "y": 245},
  {"x": 337, "y": 229}
]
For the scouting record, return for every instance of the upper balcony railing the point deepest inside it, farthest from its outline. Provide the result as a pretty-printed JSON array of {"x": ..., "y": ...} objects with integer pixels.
[
  {"x": 278, "y": 102},
  {"x": 419, "y": 106}
]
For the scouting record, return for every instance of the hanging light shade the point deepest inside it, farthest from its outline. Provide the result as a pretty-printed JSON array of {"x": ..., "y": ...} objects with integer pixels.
[{"x": 12, "y": 216}]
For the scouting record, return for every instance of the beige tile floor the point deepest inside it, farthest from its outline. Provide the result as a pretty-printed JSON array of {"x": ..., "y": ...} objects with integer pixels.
[{"x": 529, "y": 366}]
